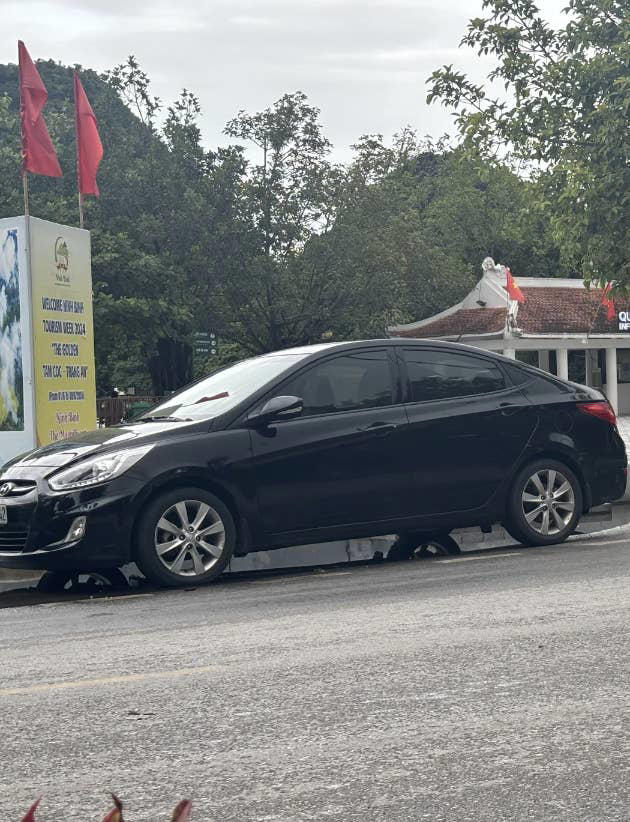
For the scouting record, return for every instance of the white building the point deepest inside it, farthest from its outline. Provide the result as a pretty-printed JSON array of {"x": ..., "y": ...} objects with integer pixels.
[{"x": 562, "y": 327}]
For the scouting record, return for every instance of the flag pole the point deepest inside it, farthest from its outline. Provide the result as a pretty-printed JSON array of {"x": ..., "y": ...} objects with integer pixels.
[
  {"x": 25, "y": 190},
  {"x": 507, "y": 292},
  {"x": 75, "y": 80}
]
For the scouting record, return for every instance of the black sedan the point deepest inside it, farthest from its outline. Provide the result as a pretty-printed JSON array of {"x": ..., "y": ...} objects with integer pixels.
[{"x": 314, "y": 444}]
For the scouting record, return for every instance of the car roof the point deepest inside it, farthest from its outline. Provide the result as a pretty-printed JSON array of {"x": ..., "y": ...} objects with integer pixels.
[{"x": 308, "y": 350}]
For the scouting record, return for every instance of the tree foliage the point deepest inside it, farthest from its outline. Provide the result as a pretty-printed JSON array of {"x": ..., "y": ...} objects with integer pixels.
[
  {"x": 566, "y": 112},
  {"x": 264, "y": 241}
]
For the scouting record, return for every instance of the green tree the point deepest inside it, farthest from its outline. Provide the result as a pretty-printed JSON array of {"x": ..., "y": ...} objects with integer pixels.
[
  {"x": 269, "y": 244},
  {"x": 159, "y": 230},
  {"x": 414, "y": 223},
  {"x": 277, "y": 294},
  {"x": 565, "y": 114}
]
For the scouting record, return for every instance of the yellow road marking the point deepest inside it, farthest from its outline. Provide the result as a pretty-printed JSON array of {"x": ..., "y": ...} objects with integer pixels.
[
  {"x": 299, "y": 577},
  {"x": 72, "y": 684},
  {"x": 596, "y": 542},
  {"x": 488, "y": 556}
]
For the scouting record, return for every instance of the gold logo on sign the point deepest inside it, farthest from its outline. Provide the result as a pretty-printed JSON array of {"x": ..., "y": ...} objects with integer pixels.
[{"x": 62, "y": 256}]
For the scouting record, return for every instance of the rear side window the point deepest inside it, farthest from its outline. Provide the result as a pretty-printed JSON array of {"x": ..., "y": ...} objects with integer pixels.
[
  {"x": 344, "y": 383},
  {"x": 536, "y": 380},
  {"x": 518, "y": 376},
  {"x": 439, "y": 375}
]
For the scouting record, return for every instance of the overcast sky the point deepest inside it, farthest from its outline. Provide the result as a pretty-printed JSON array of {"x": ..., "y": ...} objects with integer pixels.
[{"x": 364, "y": 63}]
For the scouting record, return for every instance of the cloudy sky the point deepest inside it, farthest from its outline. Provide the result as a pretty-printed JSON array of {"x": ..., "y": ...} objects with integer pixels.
[{"x": 364, "y": 63}]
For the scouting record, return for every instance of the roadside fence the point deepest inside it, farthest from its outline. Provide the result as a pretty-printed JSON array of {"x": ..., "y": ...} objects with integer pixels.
[{"x": 112, "y": 410}]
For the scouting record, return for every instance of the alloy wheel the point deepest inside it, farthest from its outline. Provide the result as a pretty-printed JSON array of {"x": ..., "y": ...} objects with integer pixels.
[
  {"x": 189, "y": 538},
  {"x": 430, "y": 550},
  {"x": 548, "y": 502}
]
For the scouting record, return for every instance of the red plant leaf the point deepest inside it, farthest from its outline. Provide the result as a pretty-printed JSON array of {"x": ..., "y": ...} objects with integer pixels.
[
  {"x": 183, "y": 812},
  {"x": 115, "y": 815},
  {"x": 30, "y": 813}
]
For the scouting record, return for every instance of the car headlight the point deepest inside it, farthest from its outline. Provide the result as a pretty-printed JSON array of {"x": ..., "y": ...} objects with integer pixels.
[{"x": 97, "y": 469}]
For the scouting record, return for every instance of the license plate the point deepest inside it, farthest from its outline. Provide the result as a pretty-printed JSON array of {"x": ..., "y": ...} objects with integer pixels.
[{"x": 3, "y": 515}]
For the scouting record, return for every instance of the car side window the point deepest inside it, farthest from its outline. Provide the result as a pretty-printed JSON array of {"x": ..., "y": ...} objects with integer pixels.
[
  {"x": 518, "y": 376},
  {"x": 344, "y": 383},
  {"x": 438, "y": 375}
]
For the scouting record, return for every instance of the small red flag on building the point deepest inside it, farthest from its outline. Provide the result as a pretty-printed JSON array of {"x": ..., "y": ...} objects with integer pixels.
[
  {"x": 513, "y": 290},
  {"x": 609, "y": 303},
  {"x": 38, "y": 154},
  {"x": 89, "y": 146}
]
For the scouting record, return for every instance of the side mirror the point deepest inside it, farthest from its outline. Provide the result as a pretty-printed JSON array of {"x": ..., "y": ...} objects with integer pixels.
[{"x": 277, "y": 408}]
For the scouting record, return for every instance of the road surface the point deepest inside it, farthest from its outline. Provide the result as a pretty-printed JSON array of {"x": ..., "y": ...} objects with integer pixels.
[{"x": 491, "y": 686}]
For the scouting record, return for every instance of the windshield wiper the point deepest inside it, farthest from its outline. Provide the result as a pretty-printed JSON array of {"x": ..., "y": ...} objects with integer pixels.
[{"x": 165, "y": 418}]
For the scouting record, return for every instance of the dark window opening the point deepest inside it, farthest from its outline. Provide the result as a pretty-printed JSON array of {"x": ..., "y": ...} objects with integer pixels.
[
  {"x": 346, "y": 383},
  {"x": 437, "y": 375}
]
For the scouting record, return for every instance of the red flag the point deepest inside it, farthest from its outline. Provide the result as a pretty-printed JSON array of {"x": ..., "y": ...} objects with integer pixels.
[
  {"x": 30, "y": 814},
  {"x": 89, "y": 146},
  {"x": 38, "y": 154},
  {"x": 512, "y": 289},
  {"x": 609, "y": 303}
]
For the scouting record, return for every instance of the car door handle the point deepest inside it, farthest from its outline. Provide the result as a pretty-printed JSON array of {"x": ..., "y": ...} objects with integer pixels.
[
  {"x": 509, "y": 408},
  {"x": 379, "y": 429}
]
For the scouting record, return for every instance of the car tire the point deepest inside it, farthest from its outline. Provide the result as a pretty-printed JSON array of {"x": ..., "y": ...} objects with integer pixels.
[
  {"x": 56, "y": 582},
  {"x": 422, "y": 546},
  {"x": 184, "y": 537},
  {"x": 545, "y": 503}
]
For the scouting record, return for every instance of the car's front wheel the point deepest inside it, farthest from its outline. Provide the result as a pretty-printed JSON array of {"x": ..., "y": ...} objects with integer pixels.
[
  {"x": 184, "y": 537},
  {"x": 545, "y": 503},
  {"x": 102, "y": 581}
]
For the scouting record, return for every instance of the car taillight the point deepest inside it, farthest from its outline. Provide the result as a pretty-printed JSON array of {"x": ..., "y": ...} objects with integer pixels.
[{"x": 602, "y": 410}]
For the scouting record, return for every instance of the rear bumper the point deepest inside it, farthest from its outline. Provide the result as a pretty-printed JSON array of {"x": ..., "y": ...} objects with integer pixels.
[
  {"x": 604, "y": 466},
  {"x": 607, "y": 484}
]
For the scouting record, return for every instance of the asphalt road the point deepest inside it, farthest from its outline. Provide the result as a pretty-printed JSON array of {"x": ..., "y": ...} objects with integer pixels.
[{"x": 484, "y": 687}]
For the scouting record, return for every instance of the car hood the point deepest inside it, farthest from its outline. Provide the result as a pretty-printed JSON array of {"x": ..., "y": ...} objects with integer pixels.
[{"x": 62, "y": 453}]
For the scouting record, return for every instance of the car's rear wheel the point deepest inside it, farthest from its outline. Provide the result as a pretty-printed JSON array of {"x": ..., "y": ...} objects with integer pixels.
[
  {"x": 185, "y": 537},
  {"x": 545, "y": 503},
  {"x": 419, "y": 546}
]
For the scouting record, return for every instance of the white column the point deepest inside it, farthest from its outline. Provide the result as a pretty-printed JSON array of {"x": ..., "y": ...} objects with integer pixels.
[
  {"x": 588, "y": 366},
  {"x": 562, "y": 358},
  {"x": 543, "y": 360},
  {"x": 509, "y": 352},
  {"x": 611, "y": 378}
]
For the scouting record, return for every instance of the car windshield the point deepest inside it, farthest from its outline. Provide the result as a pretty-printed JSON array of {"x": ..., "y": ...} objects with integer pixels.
[{"x": 224, "y": 389}]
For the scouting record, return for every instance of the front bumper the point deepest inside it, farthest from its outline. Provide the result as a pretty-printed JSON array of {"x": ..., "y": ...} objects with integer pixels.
[{"x": 37, "y": 535}]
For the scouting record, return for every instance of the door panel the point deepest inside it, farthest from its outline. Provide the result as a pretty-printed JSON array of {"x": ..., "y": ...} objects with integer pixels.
[
  {"x": 334, "y": 469},
  {"x": 344, "y": 461},
  {"x": 465, "y": 446}
]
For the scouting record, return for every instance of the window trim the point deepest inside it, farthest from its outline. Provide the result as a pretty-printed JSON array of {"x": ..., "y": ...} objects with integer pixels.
[
  {"x": 509, "y": 386},
  {"x": 395, "y": 376}
]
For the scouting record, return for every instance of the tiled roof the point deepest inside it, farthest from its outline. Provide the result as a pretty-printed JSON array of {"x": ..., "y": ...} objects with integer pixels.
[
  {"x": 565, "y": 311},
  {"x": 464, "y": 321},
  {"x": 546, "y": 310}
]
